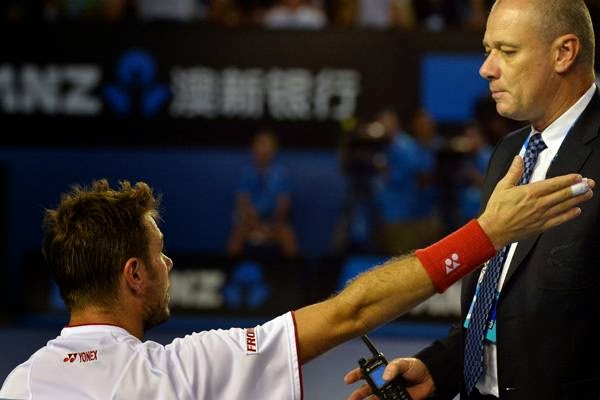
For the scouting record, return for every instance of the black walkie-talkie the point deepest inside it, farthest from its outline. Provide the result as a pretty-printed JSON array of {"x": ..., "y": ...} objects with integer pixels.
[{"x": 372, "y": 371}]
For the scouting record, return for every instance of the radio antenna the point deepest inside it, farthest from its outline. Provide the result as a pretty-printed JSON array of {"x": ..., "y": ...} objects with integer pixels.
[{"x": 370, "y": 345}]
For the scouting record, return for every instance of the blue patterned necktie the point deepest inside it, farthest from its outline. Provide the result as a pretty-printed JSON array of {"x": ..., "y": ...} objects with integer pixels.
[{"x": 473, "y": 355}]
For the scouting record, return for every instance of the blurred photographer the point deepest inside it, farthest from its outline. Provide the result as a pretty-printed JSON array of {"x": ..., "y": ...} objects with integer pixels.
[
  {"x": 400, "y": 182},
  {"x": 362, "y": 157},
  {"x": 263, "y": 202}
]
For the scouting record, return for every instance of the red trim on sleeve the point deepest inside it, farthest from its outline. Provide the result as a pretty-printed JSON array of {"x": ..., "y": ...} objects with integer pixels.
[
  {"x": 454, "y": 256},
  {"x": 298, "y": 356}
]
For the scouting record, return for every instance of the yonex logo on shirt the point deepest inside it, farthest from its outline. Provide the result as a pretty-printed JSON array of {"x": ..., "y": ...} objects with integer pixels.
[
  {"x": 85, "y": 356},
  {"x": 451, "y": 263}
]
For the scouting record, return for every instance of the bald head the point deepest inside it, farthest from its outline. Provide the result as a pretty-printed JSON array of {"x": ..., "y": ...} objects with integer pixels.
[{"x": 559, "y": 17}]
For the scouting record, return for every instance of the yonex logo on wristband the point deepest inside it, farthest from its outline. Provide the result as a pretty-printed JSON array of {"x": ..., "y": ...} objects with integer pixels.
[
  {"x": 459, "y": 253},
  {"x": 451, "y": 263}
]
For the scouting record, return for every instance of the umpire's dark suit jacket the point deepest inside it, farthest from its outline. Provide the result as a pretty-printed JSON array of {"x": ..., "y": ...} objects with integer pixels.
[{"x": 548, "y": 317}]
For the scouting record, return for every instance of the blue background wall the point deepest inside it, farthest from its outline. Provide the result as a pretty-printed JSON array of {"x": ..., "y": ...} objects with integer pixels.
[{"x": 197, "y": 188}]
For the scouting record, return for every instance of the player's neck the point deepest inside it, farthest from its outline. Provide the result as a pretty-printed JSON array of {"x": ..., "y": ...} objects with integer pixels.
[{"x": 99, "y": 316}]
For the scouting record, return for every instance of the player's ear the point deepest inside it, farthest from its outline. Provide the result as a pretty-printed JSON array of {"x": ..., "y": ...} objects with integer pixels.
[{"x": 133, "y": 274}]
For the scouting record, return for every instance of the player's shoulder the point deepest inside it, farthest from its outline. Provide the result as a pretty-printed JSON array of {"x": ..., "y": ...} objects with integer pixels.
[{"x": 16, "y": 384}]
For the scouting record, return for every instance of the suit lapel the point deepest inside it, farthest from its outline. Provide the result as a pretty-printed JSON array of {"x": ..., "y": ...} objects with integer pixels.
[
  {"x": 510, "y": 148},
  {"x": 574, "y": 151},
  {"x": 570, "y": 159}
]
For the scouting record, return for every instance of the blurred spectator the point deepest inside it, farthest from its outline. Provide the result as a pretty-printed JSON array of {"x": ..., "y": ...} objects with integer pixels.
[
  {"x": 398, "y": 187},
  {"x": 31, "y": 10},
  {"x": 15, "y": 10},
  {"x": 437, "y": 15},
  {"x": 295, "y": 14},
  {"x": 263, "y": 202},
  {"x": 226, "y": 13},
  {"x": 476, "y": 151},
  {"x": 433, "y": 15},
  {"x": 377, "y": 14},
  {"x": 426, "y": 214},
  {"x": 254, "y": 10},
  {"x": 362, "y": 153},
  {"x": 97, "y": 10},
  {"x": 238, "y": 13},
  {"x": 385, "y": 14},
  {"x": 51, "y": 10},
  {"x": 172, "y": 10},
  {"x": 478, "y": 13}
]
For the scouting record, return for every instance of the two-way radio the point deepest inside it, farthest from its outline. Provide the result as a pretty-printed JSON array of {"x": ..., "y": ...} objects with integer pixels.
[{"x": 372, "y": 371}]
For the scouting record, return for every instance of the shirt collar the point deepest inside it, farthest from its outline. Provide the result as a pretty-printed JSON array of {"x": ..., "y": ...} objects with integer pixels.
[
  {"x": 555, "y": 133},
  {"x": 93, "y": 328}
]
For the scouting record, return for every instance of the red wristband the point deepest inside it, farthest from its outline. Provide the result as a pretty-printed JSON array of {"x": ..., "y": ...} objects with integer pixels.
[{"x": 454, "y": 256}]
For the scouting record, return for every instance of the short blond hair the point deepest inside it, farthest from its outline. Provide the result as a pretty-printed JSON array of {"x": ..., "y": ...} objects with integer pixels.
[{"x": 560, "y": 17}]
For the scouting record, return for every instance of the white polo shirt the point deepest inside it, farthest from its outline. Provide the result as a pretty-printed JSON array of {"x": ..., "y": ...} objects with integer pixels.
[{"x": 106, "y": 362}]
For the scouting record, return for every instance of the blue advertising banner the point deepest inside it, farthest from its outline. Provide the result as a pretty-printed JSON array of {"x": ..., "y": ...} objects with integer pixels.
[{"x": 190, "y": 85}]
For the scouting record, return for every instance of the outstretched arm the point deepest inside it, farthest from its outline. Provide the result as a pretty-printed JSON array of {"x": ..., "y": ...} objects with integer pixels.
[{"x": 387, "y": 291}]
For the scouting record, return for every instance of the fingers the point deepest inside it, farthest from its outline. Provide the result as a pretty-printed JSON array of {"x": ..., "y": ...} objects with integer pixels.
[
  {"x": 562, "y": 206},
  {"x": 514, "y": 173},
  {"x": 569, "y": 196},
  {"x": 561, "y": 218},
  {"x": 582, "y": 187},
  {"x": 568, "y": 205},
  {"x": 551, "y": 185},
  {"x": 353, "y": 376},
  {"x": 361, "y": 393},
  {"x": 415, "y": 373},
  {"x": 395, "y": 368}
]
